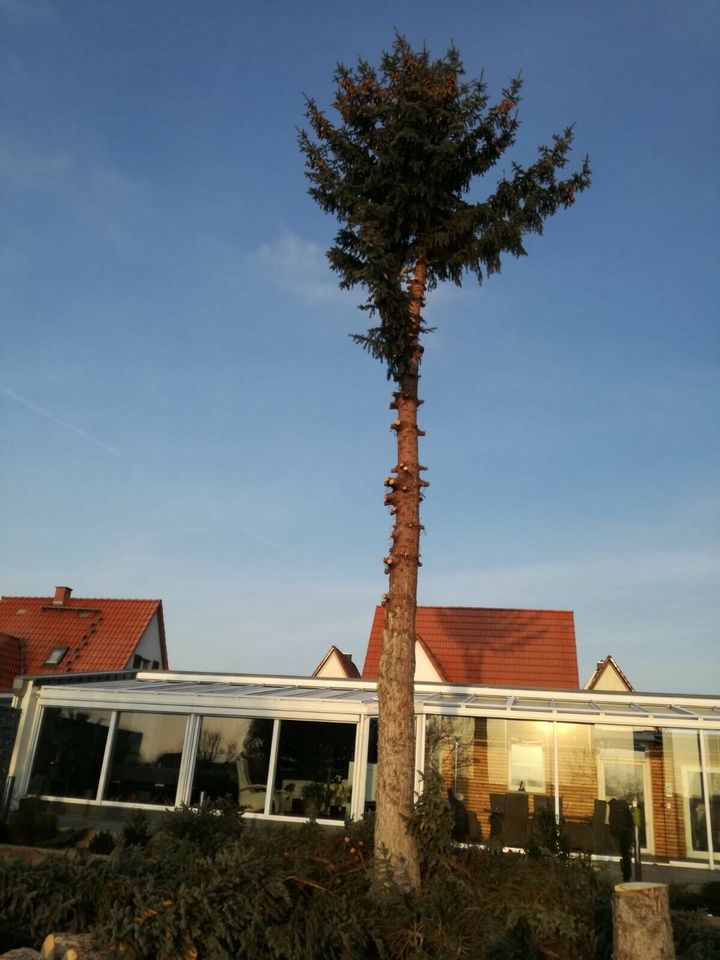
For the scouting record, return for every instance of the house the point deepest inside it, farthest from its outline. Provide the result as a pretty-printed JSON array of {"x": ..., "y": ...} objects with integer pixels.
[
  {"x": 609, "y": 676},
  {"x": 65, "y": 634},
  {"x": 335, "y": 663},
  {"x": 293, "y": 748},
  {"x": 487, "y": 646}
]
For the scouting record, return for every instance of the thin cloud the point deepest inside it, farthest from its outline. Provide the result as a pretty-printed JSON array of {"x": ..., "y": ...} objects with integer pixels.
[
  {"x": 26, "y": 165},
  {"x": 300, "y": 267},
  {"x": 26, "y": 11},
  {"x": 606, "y": 579},
  {"x": 65, "y": 424},
  {"x": 84, "y": 176}
]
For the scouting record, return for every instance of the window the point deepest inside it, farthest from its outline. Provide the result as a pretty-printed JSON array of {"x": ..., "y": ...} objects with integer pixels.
[
  {"x": 55, "y": 656},
  {"x": 527, "y": 767},
  {"x": 69, "y": 753},
  {"x": 233, "y": 755},
  {"x": 146, "y": 756},
  {"x": 313, "y": 776}
]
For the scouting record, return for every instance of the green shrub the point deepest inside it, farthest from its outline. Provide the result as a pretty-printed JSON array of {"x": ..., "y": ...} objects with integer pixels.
[
  {"x": 136, "y": 831},
  {"x": 696, "y": 896},
  {"x": 548, "y": 839},
  {"x": 32, "y": 822},
  {"x": 66, "y": 838},
  {"x": 303, "y": 893},
  {"x": 211, "y": 825},
  {"x": 61, "y": 893},
  {"x": 102, "y": 842},
  {"x": 694, "y": 938},
  {"x": 432, "y": 824}
]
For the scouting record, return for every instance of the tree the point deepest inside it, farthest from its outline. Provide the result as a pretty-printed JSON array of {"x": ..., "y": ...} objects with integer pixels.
[{"x": 396, "y": 168}]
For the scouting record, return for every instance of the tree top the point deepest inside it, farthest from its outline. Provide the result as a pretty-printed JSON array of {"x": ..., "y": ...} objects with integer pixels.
[{"x": 411, "y": 139}]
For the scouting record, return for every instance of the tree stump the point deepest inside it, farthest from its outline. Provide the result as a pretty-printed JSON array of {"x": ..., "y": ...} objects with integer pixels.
[{"x": 641, "y": 922}]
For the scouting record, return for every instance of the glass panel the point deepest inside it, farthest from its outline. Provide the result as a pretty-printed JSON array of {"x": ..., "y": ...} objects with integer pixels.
[
  {"x": 712, "y": 756},
  {"x": 146, "y": 758},
  {"x": 681, "y": 825},
  {"x": 624, "y": 755},
  {"x": 497, "y": 772},
  {"x": 532, "y": 703},
  {"x": 232, "y": 761},
  {"x": 576, "y": 706},
  {"x": 69, "y": 753},
  {"x": 314, "y": 768},
  {"x": 371, "y": 776},
  {"x": 583, "y": 815},
  {"x": 605, "y": 773}
]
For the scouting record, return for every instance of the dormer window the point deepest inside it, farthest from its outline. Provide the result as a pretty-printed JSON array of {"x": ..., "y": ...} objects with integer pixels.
[{"x": 55, "y": 656}]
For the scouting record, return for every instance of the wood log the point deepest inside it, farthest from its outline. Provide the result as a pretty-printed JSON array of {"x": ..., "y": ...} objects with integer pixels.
[
  {"x": 71, "y": 946},
  {"x": 641, "y": 922}
]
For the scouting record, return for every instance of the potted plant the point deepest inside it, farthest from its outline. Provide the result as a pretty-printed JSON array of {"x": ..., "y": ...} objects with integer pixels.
[
  {"x": 290, "y": 803},
  {"x": 339, "y": 796},
  {"x": 317, "y": 798}
]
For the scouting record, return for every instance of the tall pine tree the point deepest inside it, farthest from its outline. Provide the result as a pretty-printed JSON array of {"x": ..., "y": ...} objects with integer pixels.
[{"x": 395, "y": 167}]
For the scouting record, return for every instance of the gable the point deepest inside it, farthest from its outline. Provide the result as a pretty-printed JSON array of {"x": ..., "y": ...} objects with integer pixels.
[
  {"x": 85, "y": 634},
  {"x": 427, "y": 668},
  {"x": 336, "y": 665},
  {"x": 609, "y": 677},
  {"x": 494, "y": 647}
]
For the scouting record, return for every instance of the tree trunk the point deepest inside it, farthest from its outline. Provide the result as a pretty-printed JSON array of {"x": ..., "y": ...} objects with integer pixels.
[
  {"x": 396, "y": 714},
  {"x": 641, "y": 922}
]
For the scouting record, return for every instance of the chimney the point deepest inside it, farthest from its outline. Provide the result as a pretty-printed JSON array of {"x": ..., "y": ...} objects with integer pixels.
[{"x": 61, "y": 595}]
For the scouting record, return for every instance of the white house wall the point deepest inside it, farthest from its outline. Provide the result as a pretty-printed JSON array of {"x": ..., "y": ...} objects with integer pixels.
[
  {"x": 425, "y": 671},
  {"x": 149, "y": 647}
]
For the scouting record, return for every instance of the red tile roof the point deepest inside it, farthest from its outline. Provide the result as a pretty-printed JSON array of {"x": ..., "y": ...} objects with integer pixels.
[
  {"x": 10, "y": 660},
  {"x": 100, "y": 634},
  {"x": 501, "y": 648}
]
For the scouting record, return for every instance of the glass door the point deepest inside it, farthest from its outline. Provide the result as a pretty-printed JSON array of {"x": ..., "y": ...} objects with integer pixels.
[
  {"x": 623, "y": 775},
  {"x": 696, "y": 833}
]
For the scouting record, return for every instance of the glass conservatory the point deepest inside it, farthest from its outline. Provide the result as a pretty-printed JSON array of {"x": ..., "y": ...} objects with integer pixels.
[{"x": 297, "y": 748}]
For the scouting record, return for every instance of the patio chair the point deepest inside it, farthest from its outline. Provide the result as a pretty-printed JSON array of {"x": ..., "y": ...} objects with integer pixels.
[
  {"x": 496, "y": 840},
  {"x": 516, "y": 819},
  {"x": 252, "y": 795}
]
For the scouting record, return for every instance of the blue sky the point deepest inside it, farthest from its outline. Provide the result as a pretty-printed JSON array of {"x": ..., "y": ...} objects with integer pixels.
[{"x": 184, "y": 416}]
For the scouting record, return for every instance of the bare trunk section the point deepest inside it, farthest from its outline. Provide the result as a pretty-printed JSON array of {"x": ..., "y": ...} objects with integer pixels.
[
  {"x": 641, "y": 922},
  {"x": 396, "y": 728}
]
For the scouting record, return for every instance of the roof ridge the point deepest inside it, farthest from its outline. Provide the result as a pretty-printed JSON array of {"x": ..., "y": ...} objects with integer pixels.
[
  {"x": 72, "y": 600},
  {"x": 436, "y": 606}
]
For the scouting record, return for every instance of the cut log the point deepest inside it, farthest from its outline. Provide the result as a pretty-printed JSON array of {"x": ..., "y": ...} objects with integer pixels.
[
  {"x": 72, "y": 946},
  {"x": 641, "y": 922}
]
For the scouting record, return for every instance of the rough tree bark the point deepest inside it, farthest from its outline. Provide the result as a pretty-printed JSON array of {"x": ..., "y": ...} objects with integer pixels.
[
  {"x": 396, "y": 730},
  {"x": 641, "y": 922}
]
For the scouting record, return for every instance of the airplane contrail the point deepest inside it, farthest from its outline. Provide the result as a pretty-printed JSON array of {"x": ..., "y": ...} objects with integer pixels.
[{"x": 42, "y": 412}]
